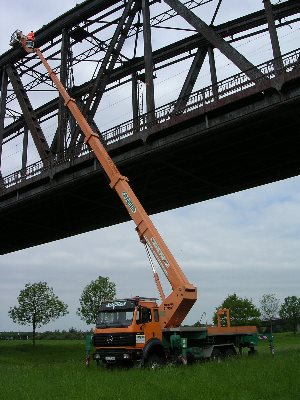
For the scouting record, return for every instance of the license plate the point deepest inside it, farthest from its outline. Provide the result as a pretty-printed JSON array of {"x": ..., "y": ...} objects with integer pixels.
[{"x": 110, "y": 358}]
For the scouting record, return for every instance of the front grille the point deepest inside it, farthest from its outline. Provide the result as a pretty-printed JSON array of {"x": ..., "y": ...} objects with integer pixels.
[
  {"x": 118, "y": 354},
  {"x": 114, "y": 339}
]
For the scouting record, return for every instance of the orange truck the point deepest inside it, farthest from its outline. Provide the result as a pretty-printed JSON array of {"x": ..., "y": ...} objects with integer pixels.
[
  {"x": 129, "y": 331},
  {"x": 139, "y": 329}
]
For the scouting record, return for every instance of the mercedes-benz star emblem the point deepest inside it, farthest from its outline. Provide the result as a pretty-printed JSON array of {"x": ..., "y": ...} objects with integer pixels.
[{"x": 110, "y": 339}]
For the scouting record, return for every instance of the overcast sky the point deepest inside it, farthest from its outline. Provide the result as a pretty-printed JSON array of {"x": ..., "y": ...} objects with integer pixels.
[{"x": 246, "y": 243}]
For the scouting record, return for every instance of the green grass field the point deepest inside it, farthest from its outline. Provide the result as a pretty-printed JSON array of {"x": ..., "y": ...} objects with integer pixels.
[{"x": 56, "y": 370}]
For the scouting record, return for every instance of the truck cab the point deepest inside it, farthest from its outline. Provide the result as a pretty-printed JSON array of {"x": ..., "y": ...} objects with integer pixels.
[{"x": 127, "y": 331}]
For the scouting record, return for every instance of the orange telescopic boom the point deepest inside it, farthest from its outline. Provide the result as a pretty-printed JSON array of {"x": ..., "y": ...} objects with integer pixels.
[{"x": 176, "y": 306}]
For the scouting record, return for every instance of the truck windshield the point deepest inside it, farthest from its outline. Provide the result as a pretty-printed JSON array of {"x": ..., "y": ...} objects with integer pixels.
[{"x": 114, "y": 318}]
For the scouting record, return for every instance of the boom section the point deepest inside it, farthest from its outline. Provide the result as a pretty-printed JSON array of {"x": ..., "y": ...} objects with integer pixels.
[{"x": 176, "y": 306}]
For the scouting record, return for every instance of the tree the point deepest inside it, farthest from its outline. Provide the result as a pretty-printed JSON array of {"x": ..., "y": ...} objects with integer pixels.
[
  {"x": 290, "y": 310},
  {"x": 242, "y": 311},
  {"x": 269, "y": 306},
  {"x": 92, "y": 295},
  {"x": 38, "y": 305}
]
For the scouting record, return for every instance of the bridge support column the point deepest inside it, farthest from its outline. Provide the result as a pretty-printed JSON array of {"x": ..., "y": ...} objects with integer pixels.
[
  {"x": 148, "y": 61},
  {"x": 25, "y": 148},
  {"x": 278, "y": 65},
  {"x": 213, "y": 71},
  {"x": 2, "y": 110},
  {"x": 135, "y": 102},
  {"x": 62, "y": 113},
  {"x": 273, "y": 32}
]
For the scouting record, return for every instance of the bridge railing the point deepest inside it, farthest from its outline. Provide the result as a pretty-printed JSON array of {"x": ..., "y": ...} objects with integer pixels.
[
  {"x": 23, "y": 174},
  {"x": 227, "y": 87},
  {"x": 38, "y": 167},
  {"x": 291, "y": 60},
  {"x": 232, "y": 85}
]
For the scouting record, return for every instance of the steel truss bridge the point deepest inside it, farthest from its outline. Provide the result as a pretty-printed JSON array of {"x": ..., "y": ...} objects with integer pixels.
[{"x": 211, "y": 139}]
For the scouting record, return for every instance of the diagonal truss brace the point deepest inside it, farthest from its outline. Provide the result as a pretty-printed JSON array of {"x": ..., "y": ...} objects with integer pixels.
[
  {"x": 194, "y": 70},
  {"x": 191, "y": 78},
  {"x": 216, "y": 40},
  {"x": 108, "y": 63},
  {"x": 29, "y": 114}
]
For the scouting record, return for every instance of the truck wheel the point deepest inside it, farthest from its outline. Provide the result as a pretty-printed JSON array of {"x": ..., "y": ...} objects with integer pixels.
[
  {"x": 98, "y": 362},
  {"x": 216, "y": 355},
  {"x": 230, "y": 352},
  {"x": 252, "y": 351},
  {"x": 154, "y": 361}
]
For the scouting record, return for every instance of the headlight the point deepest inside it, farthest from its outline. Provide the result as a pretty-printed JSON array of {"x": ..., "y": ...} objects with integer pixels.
[{"x": 126, "y": 356}]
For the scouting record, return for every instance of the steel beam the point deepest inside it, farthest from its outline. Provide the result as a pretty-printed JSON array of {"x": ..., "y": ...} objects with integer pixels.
[
  {"x": 29, "y": 114},
  {"x": 148, "y": 61},
  {"x": 62, "y": 109},
  {"x": 4, "y": 81},
  {"x": 25, "y": 148},
  {"x": 59, "y": 140},
  {"x": 213, "y": 71},
  {"x": 273, "y": 35},
  {"x": 215, "y": 39},
  {"x": 135, "y": 102},
  {"x": 191, "y": 78},
  {"x": 216, "y": 12}
]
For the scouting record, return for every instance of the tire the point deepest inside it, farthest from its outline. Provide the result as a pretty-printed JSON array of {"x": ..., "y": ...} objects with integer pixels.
[
  {"x": 252, "y": 351},
  {"x": 98, "y": 362},
  {"x": 154, "y": 361},
  {"x": 230, "y": 352},
  {"x": 216, "y": 355}
]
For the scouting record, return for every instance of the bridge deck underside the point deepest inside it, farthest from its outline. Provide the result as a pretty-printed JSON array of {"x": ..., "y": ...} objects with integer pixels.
[{"x": 242, "y": 145}]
